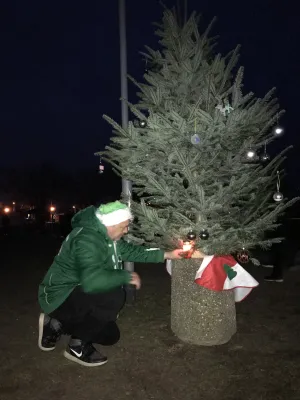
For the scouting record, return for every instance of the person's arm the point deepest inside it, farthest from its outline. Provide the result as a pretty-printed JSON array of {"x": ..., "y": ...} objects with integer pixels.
[
  {"x": 141, "y": 254},
  {"x": 94, "y": 275},
  {"x": 137, "y": 253}
]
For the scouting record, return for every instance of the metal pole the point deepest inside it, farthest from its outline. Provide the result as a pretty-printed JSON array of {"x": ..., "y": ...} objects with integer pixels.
[
  {"x": 126, "y": 185},
  {"x": 185, "y": 11}
]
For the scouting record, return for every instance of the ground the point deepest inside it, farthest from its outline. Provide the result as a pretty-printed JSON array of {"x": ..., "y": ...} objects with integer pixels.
[{"x": 261, "y": 362}]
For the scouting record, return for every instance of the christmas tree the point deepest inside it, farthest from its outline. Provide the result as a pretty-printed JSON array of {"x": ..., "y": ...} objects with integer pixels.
[{"x": 195, "y": 150}]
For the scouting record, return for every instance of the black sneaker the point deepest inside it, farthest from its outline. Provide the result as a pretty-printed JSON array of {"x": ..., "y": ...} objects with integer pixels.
[
  {"x": 49, "y": 332},
  {"x": 85, "y": 354},
  {"x": 274, "y": 278}
]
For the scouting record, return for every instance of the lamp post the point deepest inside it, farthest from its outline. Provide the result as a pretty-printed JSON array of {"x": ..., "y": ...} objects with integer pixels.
[
  {"x": 126, "y": 185},
  {"x": 52, "y": 211}
]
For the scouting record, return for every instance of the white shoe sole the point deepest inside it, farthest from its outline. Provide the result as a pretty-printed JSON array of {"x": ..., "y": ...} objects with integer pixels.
[
  {"x": 85, "y": 364},
  {"x": 41, "y": 329}
]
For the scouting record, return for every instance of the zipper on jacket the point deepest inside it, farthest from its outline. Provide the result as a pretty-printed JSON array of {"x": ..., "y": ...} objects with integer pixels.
[
  {"x": 119, "y": 261},
  {"x": 115, "y": 256}
]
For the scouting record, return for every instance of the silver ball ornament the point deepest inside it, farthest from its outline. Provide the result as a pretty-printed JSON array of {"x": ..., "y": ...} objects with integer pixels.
[
  {"x": 265, "y": 157},
  {"x": 204, "y": 235},
  {"x": 195, "y": 139},
  {"x": 278, "y": 196},
  {"x": 191, "y": 235}
]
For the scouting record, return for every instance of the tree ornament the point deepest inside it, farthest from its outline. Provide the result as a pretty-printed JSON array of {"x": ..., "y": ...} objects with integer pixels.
[
  {"x": 195, "y": 139},
  {"x": 185, "y": 183},
  {"x": 191, "y": 235},
  {"x": 226, "y": 110},
  {"x": 101, "y": 167},
  {"x": 243, "y": 256},
  {"x": 265, "y": 156},
  {"x": 278, "y": 196},
  {"x": 204, "y": 235}
]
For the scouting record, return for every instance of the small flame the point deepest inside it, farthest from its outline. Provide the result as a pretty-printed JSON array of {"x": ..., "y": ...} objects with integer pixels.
[{"x": 187, "y": 246}]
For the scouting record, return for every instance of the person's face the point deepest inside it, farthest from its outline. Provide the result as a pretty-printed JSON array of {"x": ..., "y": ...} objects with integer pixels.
[{"x": 115, "y": 232}]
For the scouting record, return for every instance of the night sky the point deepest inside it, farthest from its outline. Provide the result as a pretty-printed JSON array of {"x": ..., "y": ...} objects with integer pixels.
[{"x": 60, "y": 69}]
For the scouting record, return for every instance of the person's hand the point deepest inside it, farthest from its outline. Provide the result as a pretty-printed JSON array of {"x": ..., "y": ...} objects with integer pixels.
[
  {"x": 135, "y": 280},
  {"x": 176, "y": 254},
  {"x": 179, "y": 254}
]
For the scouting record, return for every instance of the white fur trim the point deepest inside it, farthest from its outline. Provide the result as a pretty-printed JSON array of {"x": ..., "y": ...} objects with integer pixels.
[{"x": 115, "y": 217}]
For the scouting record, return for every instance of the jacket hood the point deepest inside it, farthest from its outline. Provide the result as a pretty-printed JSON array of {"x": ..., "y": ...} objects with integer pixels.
[{"x": 86, "y": 218}]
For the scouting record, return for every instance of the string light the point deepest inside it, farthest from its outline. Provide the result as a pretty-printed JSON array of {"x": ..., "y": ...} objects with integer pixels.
[
  {"x": 251, "y": 154},
  {"x": 278, "y": 131}
]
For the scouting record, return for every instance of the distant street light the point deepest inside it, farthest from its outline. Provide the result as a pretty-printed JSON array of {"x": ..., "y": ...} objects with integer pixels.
[
  {"x": 7, "y": 210},
  {"x": 52, "y": 211}
]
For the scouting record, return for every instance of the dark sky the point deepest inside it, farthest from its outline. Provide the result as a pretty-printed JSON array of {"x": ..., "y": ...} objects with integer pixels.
[{"x": 60, "y": 69}]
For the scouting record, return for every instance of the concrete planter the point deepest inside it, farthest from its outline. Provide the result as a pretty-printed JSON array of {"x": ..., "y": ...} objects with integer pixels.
[{"x": 198, "y": 315}]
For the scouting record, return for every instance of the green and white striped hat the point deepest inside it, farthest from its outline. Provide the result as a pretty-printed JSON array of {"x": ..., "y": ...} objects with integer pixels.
[{"x": 111, "y": 214}]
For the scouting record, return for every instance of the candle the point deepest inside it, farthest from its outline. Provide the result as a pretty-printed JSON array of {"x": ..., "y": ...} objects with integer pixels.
[{"x": 186, "y": 246}]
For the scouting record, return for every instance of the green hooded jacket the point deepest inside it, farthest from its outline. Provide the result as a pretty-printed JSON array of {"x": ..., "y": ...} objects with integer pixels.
[{"x": 90, "y": 259}]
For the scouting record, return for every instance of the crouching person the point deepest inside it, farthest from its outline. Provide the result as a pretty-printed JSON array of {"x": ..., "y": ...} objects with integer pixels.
[{"x": 82, "y": 292}]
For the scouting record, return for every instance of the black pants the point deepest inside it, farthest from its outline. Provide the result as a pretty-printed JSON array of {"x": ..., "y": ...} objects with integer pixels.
[
  {"x": 91, "y": 317},
  {"x": 283, "y": 256}
]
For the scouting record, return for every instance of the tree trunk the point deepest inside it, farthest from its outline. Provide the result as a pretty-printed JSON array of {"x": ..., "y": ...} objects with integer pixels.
[{"x": 200, "y": 316}]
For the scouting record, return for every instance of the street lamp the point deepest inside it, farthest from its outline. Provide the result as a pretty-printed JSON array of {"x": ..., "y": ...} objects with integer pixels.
[
  {"x": 126, "y": 185},
  {"x": 7, "y": 210},
  {"x": 52, "y": 211}
]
